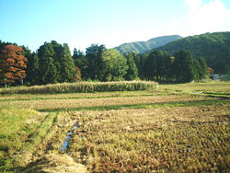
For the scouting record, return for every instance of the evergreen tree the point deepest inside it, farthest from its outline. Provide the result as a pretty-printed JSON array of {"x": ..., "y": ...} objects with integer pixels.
[
  {"x": 58, "y": 50},
  {"x": 33, "y": 70},
  {"x": 81, "y": 63},
  {"x": 94, "y": 58},
  {"x": 154, "y": 65},
  {"x": 132, "y": 72},
  {"x": 46, "y": 56},
  {"x": 77, "y": 54},
  {"x": 183, "y": 66},
  {"x": 58, "y": 58},
  {"x": 158, "y": 65},
  {"x": 168, "y": 68},
  {"x": 50, "y": 75},
  {"x": 161, "y": 57},
  {"x": 204, "y": 68},
  {"x": 150, "y": 66},
  {"x": 68, "y": 69},
  {"x": 142, "y": 66},
  {"x": 197, "y": 70}
]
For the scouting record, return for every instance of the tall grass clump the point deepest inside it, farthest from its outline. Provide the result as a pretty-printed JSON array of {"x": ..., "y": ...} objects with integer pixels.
[{"x": 83, "y": 87}]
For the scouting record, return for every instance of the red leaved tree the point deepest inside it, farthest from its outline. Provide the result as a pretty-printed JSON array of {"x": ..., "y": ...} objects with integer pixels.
[{"x": 12, "y": 64}]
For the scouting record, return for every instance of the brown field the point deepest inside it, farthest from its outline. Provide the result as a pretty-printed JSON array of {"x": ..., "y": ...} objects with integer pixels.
[
  {"x": 177, "y": 128},
  {"x": 97, "y": 102},
  {"x": 178, "y": 139}
]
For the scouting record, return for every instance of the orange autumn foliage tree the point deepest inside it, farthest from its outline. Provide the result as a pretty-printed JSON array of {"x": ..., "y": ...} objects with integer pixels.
[{"x": 12, "y": 64}]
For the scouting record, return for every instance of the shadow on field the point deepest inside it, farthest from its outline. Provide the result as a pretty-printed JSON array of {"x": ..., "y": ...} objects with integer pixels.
[
  {"x": 54, "y": 163},
  {"x": 143, "y": 105}
]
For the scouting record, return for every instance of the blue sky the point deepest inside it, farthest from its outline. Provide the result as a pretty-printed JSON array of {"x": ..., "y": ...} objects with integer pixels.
[{"x": 80, "y": 23}]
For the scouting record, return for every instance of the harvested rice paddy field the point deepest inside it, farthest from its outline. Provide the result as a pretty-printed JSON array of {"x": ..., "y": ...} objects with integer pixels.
[{"x": 174, "y": 128}]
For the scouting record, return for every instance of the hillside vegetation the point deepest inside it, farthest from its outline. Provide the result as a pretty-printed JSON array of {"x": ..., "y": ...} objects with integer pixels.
[
  {"x": 143, "y": 46},
  {"x": 183, "y": 60},
  {"x": 214, "y": 47}
]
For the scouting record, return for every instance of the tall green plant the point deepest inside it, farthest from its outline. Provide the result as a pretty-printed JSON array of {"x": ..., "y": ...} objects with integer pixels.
[
  {"x": 48, "y": 70},
  {"x": 132, "y": 71},
  {"x": 33, "y": 70},
  {"x": 68, "y": 69},
  {"x": 94, "y": 58},
  {"x": 114, "y": 66},
  {"x": 183, "y": 66},
  {"x": 58, "y": 58}
]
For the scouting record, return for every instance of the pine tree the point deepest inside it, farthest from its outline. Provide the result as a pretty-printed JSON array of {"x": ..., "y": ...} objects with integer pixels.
[
  {"x": 68, "y": 69},
  {"x": 77, "y": 54},
  {"x": 161, "y": 65},
  {"x": 58, "y": 58},
  {"x": 58, "y": 49},
  {"x": 81, "y": 63},
  {"x": 150, "y": 66},
  {"x": 94, "y": 58},
  {"x": 33, "y": 70},
  {"x": 50, "y": 75},
  {"x": 46, "y": 56},
  {"x": 197, "y": 70},
  {"x": 132, "y": 72},
  {"x": 204, "y": 68},
  {"x": 183, "y": 66}
]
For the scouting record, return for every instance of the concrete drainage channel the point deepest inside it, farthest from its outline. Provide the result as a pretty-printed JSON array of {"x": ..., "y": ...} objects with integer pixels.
[{"x": 69, "y": 136}]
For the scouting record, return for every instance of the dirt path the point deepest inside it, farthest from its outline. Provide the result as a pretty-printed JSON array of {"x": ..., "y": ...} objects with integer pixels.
[
  {"x": 48, "y": 158},
  {"x": 53, "y": 163}
]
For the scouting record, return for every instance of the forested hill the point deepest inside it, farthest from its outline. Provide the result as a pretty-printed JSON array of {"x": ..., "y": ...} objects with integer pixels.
[
  {"x": 143, "y": 46},
  {"x": 214, "y": 47}
]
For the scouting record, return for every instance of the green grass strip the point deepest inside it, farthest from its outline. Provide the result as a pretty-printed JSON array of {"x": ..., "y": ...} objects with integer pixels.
[{"x": 217, "y": 94}]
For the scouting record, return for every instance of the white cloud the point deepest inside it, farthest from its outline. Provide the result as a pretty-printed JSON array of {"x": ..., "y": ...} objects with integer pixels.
[
  {"x": 200, "y": 18},
  {"x": 193, "y": 4}
]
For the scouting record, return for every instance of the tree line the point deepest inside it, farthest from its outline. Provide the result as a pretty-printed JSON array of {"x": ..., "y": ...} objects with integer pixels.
[
  {"x": 53, "y": 63},
  {"x": 214, "y": 47}
]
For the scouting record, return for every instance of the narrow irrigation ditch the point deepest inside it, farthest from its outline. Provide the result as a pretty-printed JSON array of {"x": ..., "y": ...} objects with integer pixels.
[{"x": 69, "y": 136}]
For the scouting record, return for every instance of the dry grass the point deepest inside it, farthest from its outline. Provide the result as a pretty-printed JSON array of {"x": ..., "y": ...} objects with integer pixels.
[
  {"x": 54, "y": 163},
  {"x": 77, "y": 95},
  {"x": 83, "y": 87},
  {"x": 197, "y": 87},
  {"x": 180, "y": 139},
  {"x": 81, "y": 103}
]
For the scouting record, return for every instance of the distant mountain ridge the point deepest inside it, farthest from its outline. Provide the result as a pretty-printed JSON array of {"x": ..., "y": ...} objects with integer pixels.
[
  {"x": 143, "y": 46},
  {"x": 214, "y": 47}
]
